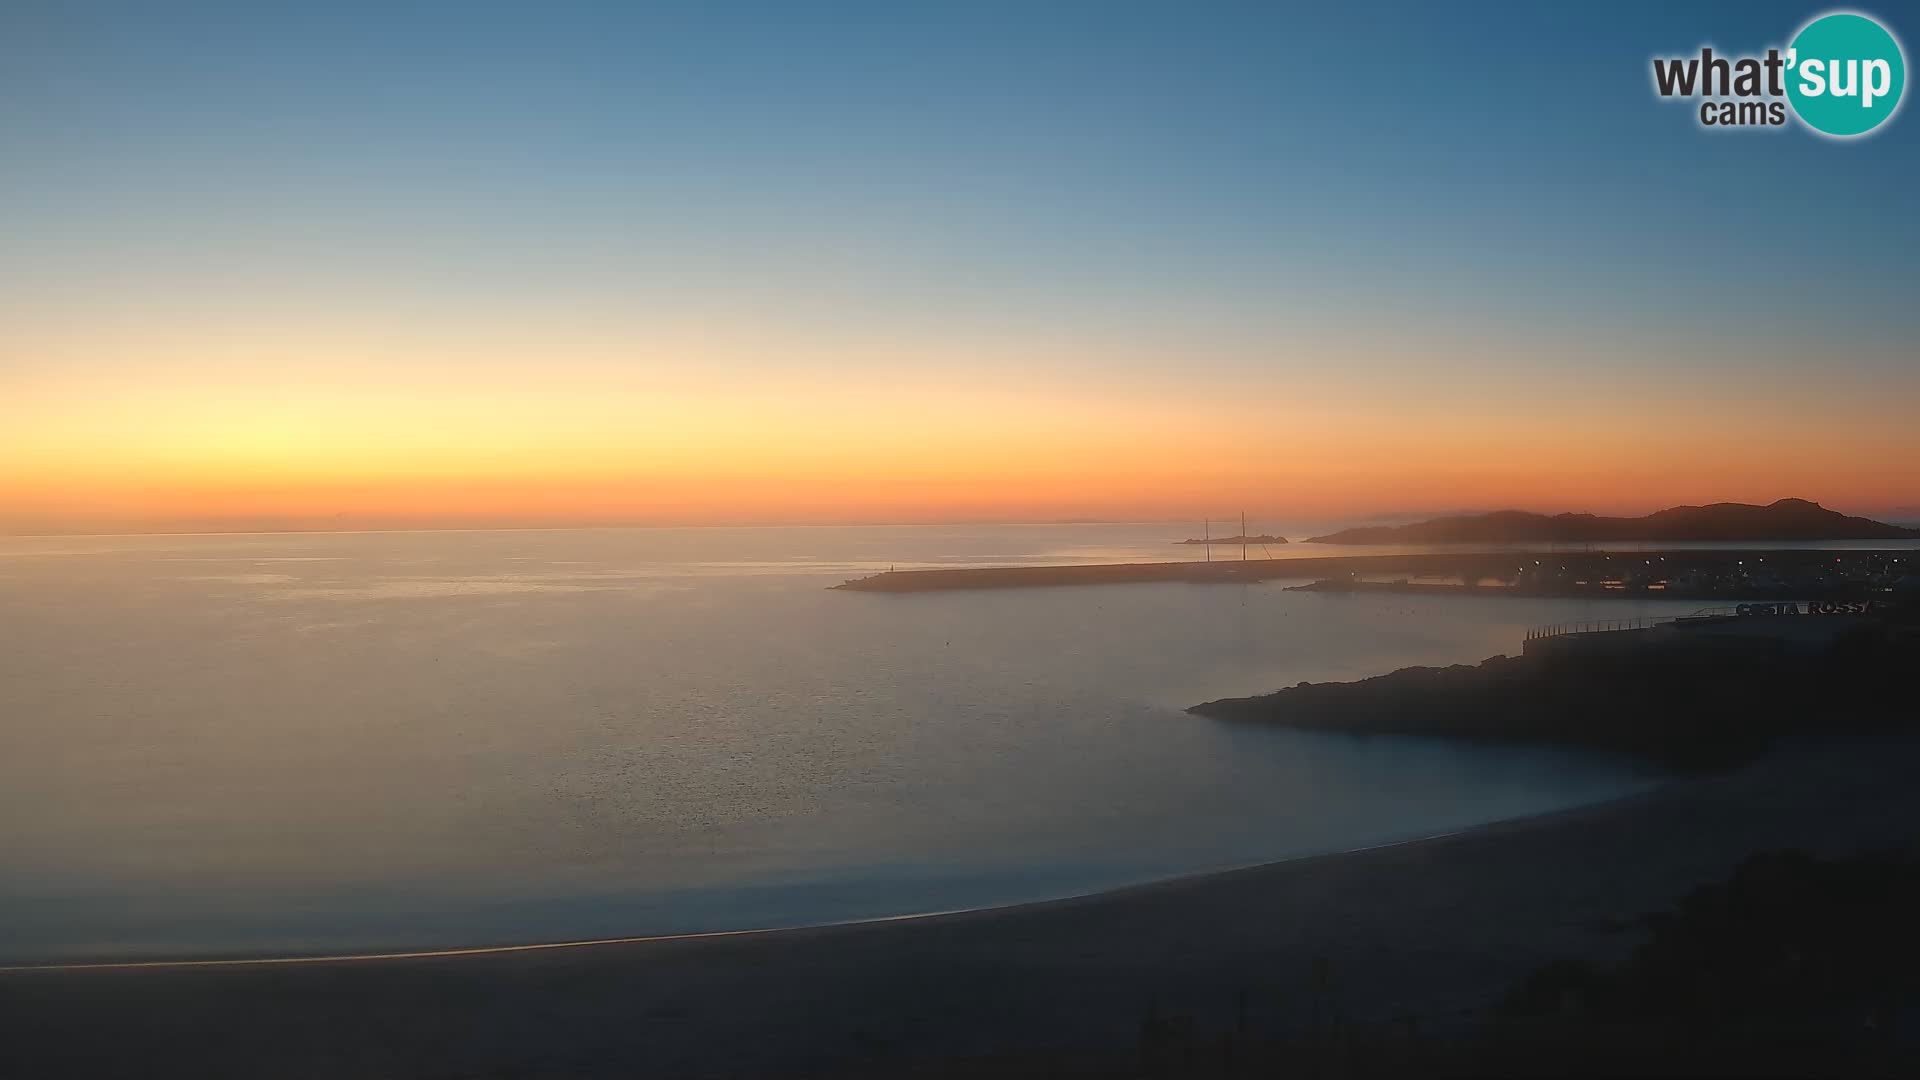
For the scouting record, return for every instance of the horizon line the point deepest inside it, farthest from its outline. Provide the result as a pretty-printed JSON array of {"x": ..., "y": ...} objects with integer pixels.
[{"x": 1890, "y": 515}]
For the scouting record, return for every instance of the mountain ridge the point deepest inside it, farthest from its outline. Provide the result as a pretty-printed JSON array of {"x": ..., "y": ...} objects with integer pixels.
[{"x": 1783, "y": 519}]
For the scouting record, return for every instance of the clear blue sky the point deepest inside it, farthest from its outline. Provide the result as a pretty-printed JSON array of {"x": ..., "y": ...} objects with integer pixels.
[{"x": 1098, "y": 146}]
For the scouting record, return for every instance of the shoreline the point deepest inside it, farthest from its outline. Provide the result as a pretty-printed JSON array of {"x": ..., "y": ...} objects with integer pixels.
[
  {"x": 1435, "y": 927},
  {"x": 461, "y": 951},
  {"x": 452, "y": 952}
]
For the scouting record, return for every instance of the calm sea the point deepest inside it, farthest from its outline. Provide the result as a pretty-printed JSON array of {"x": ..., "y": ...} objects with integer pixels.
[{"x": 292, "y": 743}]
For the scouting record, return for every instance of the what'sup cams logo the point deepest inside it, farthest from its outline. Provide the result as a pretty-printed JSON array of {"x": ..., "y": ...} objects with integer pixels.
[{"x": 1842, "y": 75}]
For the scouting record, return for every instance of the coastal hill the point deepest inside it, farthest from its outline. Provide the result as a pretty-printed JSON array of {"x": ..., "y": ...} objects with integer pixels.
[
  {"x": 1689, "y": 702},
  {"x": 1787, "y": 519}
]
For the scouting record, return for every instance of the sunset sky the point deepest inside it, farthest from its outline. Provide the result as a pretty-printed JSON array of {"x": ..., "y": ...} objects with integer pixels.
[{"x": 546, "y": 264}]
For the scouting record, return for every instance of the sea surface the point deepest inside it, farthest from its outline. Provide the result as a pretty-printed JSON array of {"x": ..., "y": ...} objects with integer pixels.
[{"x": 272, "y": 744}]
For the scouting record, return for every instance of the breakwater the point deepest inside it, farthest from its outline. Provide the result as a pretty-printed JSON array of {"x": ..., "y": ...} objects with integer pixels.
[{"x": 1749, "y": 573}]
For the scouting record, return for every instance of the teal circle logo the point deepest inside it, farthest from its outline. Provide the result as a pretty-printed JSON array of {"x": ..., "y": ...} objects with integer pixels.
[{"x": 1845, "y": 73}]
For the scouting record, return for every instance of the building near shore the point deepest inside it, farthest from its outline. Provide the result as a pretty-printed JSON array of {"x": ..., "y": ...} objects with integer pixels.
[{"x": 1772, "y": 626}]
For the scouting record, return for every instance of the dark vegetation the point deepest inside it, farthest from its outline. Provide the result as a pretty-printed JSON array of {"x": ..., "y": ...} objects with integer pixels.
[
  {"x": 1788, "y": 937},
  {"x": 1786, "y": 519},
  {"x": 1793, "y": 966}
]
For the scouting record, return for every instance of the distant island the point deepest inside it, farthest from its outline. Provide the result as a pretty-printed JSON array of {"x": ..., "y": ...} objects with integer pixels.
[
  {"x": 1263, "y": 538},
  {"x": 1787, "y": 519}
]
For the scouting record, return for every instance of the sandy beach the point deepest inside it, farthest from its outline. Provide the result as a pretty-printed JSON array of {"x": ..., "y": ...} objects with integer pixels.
[{"x": 1434, "y": 927}]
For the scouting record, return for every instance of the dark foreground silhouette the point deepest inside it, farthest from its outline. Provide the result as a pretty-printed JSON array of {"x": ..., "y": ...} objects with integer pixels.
[
  {"x": 1791, "y": 966},
  {"x": 1823, "y": 944}
]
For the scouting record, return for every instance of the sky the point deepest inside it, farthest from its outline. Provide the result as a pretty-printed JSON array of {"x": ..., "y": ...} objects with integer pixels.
[{"x": 416, "y": 265}]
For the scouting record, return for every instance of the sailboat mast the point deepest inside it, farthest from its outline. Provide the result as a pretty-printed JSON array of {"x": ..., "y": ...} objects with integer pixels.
[
  {"x": 1207, "y": 533},
  {"x": 1243, "y": 536}
]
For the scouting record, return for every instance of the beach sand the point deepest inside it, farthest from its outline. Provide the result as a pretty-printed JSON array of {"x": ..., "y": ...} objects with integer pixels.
[{"x": 1437, "y": 928}]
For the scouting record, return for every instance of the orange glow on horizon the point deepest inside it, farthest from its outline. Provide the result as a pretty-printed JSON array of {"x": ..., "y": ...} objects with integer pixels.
[
  {"x": 883, "y": 456},
  {"x": 676, "y": 429}
]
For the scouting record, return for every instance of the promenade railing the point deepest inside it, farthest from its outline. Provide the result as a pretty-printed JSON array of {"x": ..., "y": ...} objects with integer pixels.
[{"x": 1596, "y": 626}]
